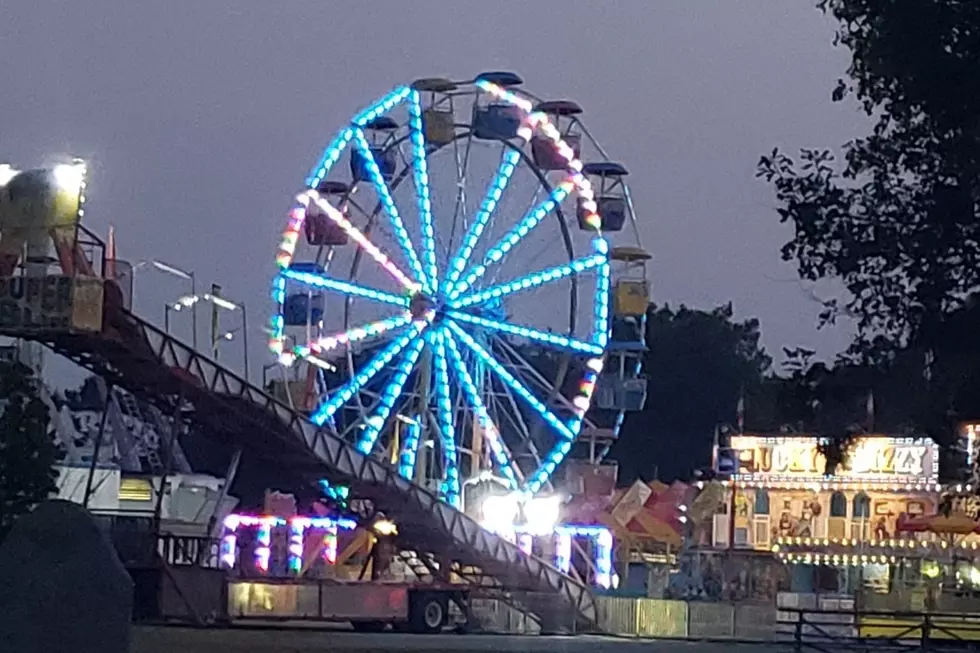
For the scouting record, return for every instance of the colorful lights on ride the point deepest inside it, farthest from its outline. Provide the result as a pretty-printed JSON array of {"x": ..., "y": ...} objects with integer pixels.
[
  {"x": 299, "y": 529},
  {"x": 444, "y": 414},
  {"x": 421, "y": 169},
  {"x": 512, "y": 237},
  {"x": 497, "y": 187},
  {"x": 410, "y": 448},
  {"x": 457, "y": 292},
  {"x": 532, "y": 523},
  {"x": 389, "y": 395},
  {"x": 312, "y": 197}
]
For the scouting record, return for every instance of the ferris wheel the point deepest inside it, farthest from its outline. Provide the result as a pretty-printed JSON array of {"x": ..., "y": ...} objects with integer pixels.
[{"x": 446, "y": 282}]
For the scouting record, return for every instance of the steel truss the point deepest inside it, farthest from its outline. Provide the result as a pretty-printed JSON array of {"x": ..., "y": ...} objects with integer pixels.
[{"x": 152, "y": 364}]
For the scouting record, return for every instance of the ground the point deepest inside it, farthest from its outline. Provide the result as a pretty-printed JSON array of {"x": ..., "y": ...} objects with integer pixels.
[{"x": 182, "y": 640}]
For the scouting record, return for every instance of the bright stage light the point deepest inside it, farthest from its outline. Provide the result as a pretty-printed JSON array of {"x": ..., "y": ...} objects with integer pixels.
[
  {"x": 7, "y": 172},
  {"x": 500, "y": 512},
  {"x": 541, "y": 514},
  {"x": 70, "y": 177}
]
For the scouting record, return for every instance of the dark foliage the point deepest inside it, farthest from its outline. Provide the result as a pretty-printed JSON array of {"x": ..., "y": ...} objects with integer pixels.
[
  {"x": 28, "y": 451},
  {"x": 699, "y": 364}
]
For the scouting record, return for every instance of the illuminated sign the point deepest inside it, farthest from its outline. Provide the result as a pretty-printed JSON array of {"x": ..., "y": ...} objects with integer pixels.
[{"x": 870, "y": 458}]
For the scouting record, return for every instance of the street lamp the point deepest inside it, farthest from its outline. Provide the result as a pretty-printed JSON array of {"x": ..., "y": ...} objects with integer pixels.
[
  {"x": 187, "y": 301},
  {"x": 217, "y": 301},
  {"x": 186, "y": 275}
]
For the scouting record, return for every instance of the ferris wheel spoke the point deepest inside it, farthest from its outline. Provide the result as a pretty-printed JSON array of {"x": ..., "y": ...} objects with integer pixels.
[
  {"x": 327, "y": 409},
  {"x": 333, "y": 151},
  {"x": 358, "y": 237},
  {"x": 553, "y": 339},
  {"x": 344, "y": 287},
  {"x": 382, "y": 410},
  {"x": 513, "y": 383},
  {"x": 496, "y": 253},
  {"x": 360, "y": 333},
  {"x": 421, "y": 169},
  {"x": 495, "y": 191},
  {"x": 409, "y": 450},
  {"x": 531, "y": 280},
  {"x": 444, "y": 417},
  {"x": 497, "y": 446},
  {"x": 388, "y": 202}
]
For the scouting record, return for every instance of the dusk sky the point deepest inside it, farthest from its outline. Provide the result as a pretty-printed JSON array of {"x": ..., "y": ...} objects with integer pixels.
[{"x": 201, "y": 119}]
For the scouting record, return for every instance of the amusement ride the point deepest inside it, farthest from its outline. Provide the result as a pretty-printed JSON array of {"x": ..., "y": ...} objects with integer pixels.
[
  {"x": 460, "y": 297},
  {"x": 462, "y": 274}
]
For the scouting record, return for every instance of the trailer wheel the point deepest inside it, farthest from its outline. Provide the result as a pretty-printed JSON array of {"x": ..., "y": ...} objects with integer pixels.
[{"x": 429, "y": 613}]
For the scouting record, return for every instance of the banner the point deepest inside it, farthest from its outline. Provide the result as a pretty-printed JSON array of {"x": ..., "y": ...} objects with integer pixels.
[
  {"x": 631, "y": 503},
  {"x": 50, "y": 303},
  {"x": 871, "y": 457}
]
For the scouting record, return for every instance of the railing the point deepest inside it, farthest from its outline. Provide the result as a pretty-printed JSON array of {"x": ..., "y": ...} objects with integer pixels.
[
  {"x": 188, "y": 551},
  {"x": 137, "y": 545},
  {"x": 831, "y": 631}
]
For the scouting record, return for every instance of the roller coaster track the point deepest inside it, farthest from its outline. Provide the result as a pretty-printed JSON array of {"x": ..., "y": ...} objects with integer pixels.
[{"x": 132, "y": 354}]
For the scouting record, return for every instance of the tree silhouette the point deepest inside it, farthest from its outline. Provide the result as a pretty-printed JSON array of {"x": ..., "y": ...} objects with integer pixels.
[
  {"x": 895, "y": 218},
  {"x": 28, "y": 451},
  {"x": 699, "y": 363}
]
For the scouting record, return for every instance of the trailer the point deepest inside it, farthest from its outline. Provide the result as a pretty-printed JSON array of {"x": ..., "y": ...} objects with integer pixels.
[
  {"x": 367, "y": 606},
  {"x": 371, "y": 607}
]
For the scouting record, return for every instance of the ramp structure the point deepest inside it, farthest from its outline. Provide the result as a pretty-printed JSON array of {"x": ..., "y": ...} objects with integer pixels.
[{"x": 130, "y": 353}]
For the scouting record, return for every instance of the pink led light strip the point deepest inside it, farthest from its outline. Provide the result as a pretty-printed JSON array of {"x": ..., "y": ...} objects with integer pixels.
[
  {"x": 540, "y": 120},
  {"x": 360, "y": 333},
  {"x": 359, "y": 238}
]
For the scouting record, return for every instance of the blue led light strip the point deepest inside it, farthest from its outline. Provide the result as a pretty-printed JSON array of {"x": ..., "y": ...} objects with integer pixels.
[
  {"x": 375, "y": 365},
  {"x": 531, "y": 219},
  {"x": 382, "y": 106},
  {"x": 421, "y": 170},
  {"x": 384, "y": 194},
  {"x": 333, "y": 151},
  {"x": 600, "y": 331},
  {"x": 494, "y": 192},
  {"x": 530, "y": 280},
  {"x": 444, "y": 413},
  {"x": 410, "y": 448},
  {"x": 345, "y": 287},
  {"x": 329, "y": 158},
  {"x": 376, "y": 421},
  {"x": 512, "y": 381},
  {"x": 500, "y": 454},
  {"x": 278, "y": 323},
  {"x": 529, "y": 333}
]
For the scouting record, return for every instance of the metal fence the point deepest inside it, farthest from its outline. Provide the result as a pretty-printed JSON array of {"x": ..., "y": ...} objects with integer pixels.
[{"x": 831, "y": 631}]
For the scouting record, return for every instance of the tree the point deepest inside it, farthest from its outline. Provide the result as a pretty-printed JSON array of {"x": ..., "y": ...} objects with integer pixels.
[
  {"x": 699, "y": 363},
  {"x": 28, "y": 451},
  {"x": 896, "y": 217}
]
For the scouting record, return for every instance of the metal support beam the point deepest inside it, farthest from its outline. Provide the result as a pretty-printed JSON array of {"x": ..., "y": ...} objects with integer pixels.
[
  {"x": 168, "y": 463},
  {"x": 230, "y": 474},
  {"x": 97, "y": 447}
]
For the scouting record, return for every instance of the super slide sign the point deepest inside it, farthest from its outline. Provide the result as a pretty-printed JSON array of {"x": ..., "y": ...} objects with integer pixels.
[{"x": 51, "y": 303}]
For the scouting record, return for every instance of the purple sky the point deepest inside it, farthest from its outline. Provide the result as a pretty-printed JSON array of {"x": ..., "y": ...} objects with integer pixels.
[{"x": 200, "y": 120}]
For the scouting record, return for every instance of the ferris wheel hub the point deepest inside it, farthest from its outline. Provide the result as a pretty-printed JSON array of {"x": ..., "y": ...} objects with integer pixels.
[{"x": 422, "y": 306}]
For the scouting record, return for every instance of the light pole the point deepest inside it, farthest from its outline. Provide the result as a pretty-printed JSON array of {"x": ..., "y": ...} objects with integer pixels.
[
  {"x": 187, "y": 301},
  {"x": 187, "y": 275},
  {"x": 217, "y": 301}
]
